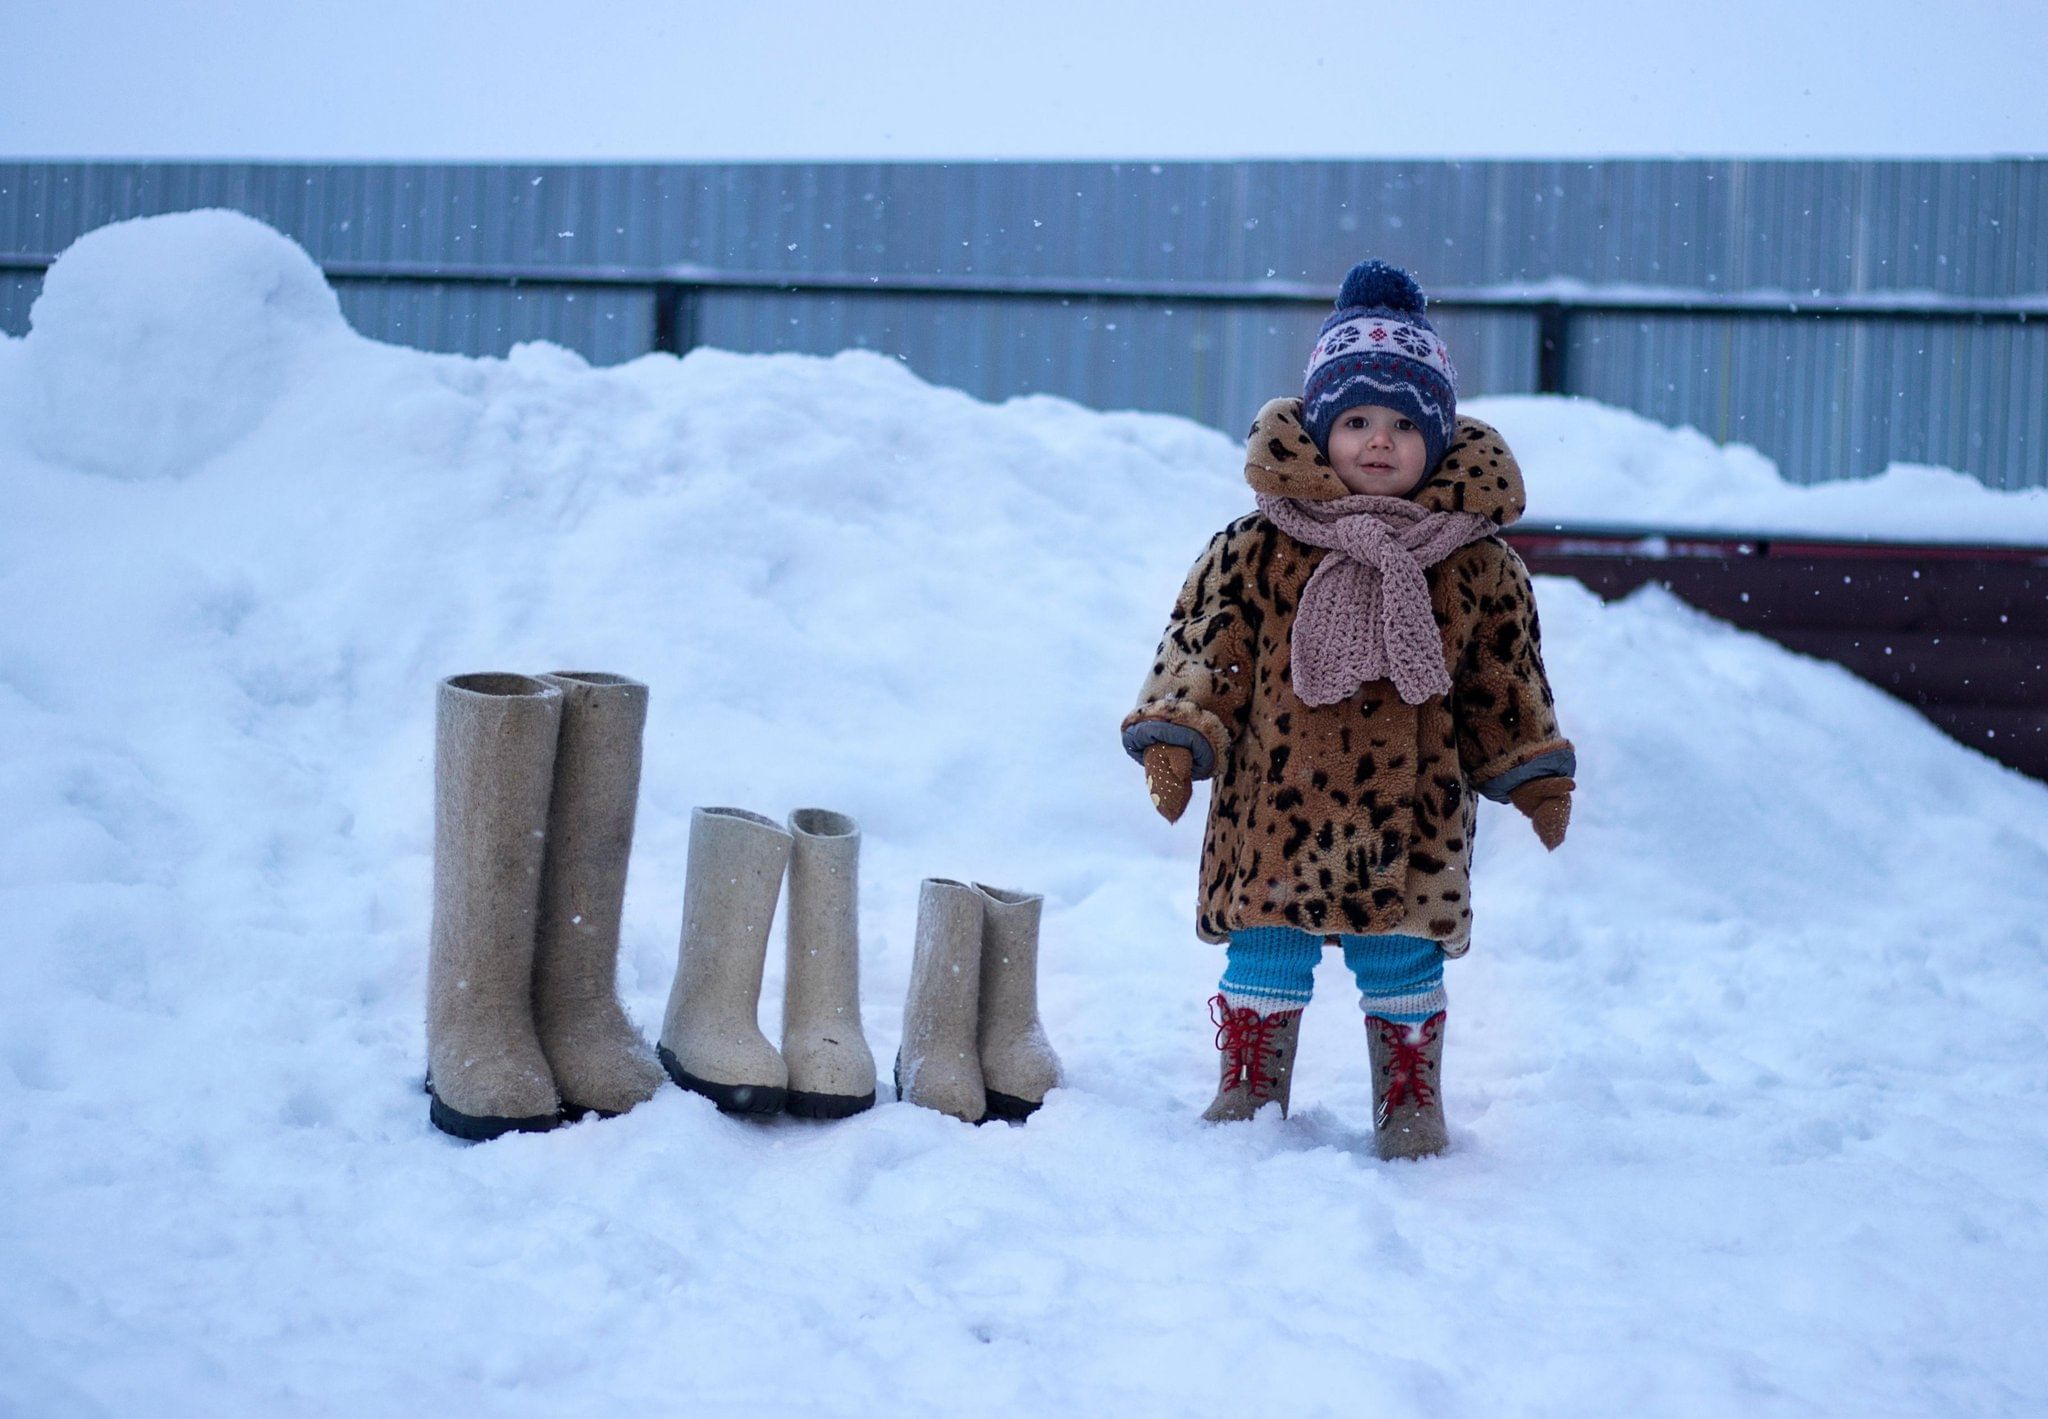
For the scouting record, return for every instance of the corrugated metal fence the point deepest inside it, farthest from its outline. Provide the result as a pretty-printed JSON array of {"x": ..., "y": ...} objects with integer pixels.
[{"x": 1838, "y": 315}]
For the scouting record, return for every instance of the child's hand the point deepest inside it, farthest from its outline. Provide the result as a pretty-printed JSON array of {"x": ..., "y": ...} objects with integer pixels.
[
  {"x": 1170, "y": 774},
  {"x": 1547, "y": 804}
]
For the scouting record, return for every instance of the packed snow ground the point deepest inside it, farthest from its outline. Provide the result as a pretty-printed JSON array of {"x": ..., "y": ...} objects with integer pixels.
[{"x": 1745, "y": 1082}]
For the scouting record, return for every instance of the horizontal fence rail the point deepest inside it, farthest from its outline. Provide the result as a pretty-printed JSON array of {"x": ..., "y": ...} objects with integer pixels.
[{"x": 675, "y": 292}]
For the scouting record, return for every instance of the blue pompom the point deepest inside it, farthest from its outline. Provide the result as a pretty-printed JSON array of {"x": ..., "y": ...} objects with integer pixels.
[{"x": 1374, "y": 283}]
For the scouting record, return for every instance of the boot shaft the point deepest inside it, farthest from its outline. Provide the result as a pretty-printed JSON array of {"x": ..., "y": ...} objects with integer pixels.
[
  {"x": 939, "y": 1066},
  {"x": 494, "y": 755},
  {"x": 1407, "y": 1073},
  {"x": 945, "y": 968},
  {"x": 1009, "y": 954},
  {"x": 731, "y": 883},
  {"x": 599, "y": 1060},
  {"x": 711, "y": 1040},
  {"x": 1019, "y": 1066},
  {"x": 1256, "y": 1058},
  {"x": 589, "y": 834},
  {"x": 822, "y": 976},
  {"x": 831, "y": 1069}
]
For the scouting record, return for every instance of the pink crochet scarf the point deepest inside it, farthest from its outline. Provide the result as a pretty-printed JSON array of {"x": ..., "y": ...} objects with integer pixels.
[{"x": 1365, "y": 613}]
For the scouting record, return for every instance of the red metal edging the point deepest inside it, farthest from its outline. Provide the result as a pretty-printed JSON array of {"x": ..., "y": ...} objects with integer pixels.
[{"x": 1959, "y": 631}]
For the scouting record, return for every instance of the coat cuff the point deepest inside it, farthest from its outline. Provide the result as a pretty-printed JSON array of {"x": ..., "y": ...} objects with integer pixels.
[
  {"x": 1181, "y": 725},
  {"x": 1554, "y": 760}
]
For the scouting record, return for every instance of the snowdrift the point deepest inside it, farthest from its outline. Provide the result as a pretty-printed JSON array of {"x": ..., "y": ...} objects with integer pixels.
[{"x": 1744, "y": 1083}]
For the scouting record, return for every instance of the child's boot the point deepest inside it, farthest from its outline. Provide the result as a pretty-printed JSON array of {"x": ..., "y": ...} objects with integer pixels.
[
  {"x": 939, "y": 1065},
  {"x": 600, "y": 1063},
  {"x": 1408, "y": 1106},
  {"x": 831, "y": 1069},
  {"x": 711, "y": 1040},
  {"x": 1018, "y": 1066},
  {"x": 494, "y": 757},
  {"x": 1258, "y": 1059}
]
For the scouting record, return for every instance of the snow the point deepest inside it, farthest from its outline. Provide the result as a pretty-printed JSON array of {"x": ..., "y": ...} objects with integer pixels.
[
  {"x": 1591, "y": 465},
  {"x": 1061, "y": 79},
  {"x": 1743, "y": 1082}
]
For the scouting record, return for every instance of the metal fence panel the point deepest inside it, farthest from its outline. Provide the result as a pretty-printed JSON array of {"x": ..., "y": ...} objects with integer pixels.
[{"x": 1826, "y": 399}]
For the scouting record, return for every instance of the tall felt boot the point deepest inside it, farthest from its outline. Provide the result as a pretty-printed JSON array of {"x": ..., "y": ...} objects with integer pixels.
[
  {"x": 1257, "y": 1060},
  {"x": 711, "y": 1040},
  {"x": 1408, "y": 1105},
  {"x": 599, "y": 1061},
  {"x": 939, "y": 1065},
  {"x": 494, "y": 761},
  {"x": 1018, "y": 1066},
  {"x": 831, "y": 1069}
]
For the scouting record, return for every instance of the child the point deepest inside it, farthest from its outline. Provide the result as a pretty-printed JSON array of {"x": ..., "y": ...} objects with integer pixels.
[{"x": 1349, "y": 663}]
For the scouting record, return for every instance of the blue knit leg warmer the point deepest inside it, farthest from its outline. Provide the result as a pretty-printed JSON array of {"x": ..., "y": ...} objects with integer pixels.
[
  {"x": 1400, "y": 978},
  {"x": 1270, "y": 968}
]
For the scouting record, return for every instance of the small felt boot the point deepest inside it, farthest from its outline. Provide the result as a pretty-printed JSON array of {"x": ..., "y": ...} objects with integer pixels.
[
  {"x": 494, "y": 761},
  {"x": 1257, "y": 1060},
  {"x": 600, "y": 1063},
  {"x": 711, "y": 1040},
  {"x": 831, "y": 1069},
  {"x": 939, "y": 1065},
  {"x": 1018, "y": 1066},
  {"x": 1408, "y": 1106}
]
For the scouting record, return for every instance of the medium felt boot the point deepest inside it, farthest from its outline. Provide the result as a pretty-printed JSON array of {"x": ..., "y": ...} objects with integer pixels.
[
  {"x": 1257, "y": 1060},
  {"x": 1408, "y": 1106},
  {"x": 1018, "y": 1066},
  {"x": 600, "y": 1063},
  {"x": 939, "y": 1065},
  {"x": 831, "y": 1068},
  {"x": 494, "y": 762},
  {"x": 711, "y": 1040}
]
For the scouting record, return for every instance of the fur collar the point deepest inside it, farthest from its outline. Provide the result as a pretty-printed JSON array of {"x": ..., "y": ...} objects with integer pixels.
[{"x": 1478, "y": 473}]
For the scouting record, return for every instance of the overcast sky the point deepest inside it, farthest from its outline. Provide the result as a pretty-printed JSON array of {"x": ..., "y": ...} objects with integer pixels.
[{"x": 619, "y": 79}]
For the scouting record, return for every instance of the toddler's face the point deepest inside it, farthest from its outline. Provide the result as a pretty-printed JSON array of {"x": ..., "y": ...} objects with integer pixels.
[{"x": 1377, "y": 450}]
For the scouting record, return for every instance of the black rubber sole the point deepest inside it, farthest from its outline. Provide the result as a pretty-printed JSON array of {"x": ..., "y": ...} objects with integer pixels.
[
  {"x": 481, "y": 1128},
  {"x": 754, "y": 1099},
  {"x": 804, "y": 1105},
  {"x": 1011, "y": 1109}
]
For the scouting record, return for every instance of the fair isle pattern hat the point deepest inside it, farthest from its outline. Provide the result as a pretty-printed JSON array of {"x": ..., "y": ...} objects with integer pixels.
[{"x": 1378, "y": 348}]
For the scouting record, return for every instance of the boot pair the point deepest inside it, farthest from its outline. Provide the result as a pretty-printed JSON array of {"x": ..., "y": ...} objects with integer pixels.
[
  {"x": 711, "y": 1040},
  {"x": 535, "y": 783},
  {"x": 973, "y": 1044},
  {"x": 1257, "y": 1056}
]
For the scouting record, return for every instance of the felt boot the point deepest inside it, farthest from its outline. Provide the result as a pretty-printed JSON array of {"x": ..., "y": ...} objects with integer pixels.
[
  {"x": 1257, "y": 1060},
  {"x": 1018, "y": 1065},
  {"x": 831, "y": 1069},
  {"x": 711, "y": 1040},
  {"x": 600, "y": 1063},
  {"x": 494, "y": 763},
  {"x": 1408, "y": 1106},
  {"x": 939, "y": 1065}
]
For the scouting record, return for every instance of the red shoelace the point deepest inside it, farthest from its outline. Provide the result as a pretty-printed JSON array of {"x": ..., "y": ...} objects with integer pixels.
[
  {"x": 1409, "y": 1066},
  {"x": 1246, "y": 1036}
]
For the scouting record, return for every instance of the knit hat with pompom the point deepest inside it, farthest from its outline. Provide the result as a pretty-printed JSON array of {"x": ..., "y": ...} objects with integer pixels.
[{"x": 1378, "y": 348}]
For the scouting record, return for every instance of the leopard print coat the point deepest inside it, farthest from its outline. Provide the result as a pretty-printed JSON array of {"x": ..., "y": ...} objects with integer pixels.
[{"x": 1356, "y": 817}]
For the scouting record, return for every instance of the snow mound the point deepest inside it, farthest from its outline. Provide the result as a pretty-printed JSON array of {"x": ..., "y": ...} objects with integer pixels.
[
  {"x": 1731, "y": 1077},
  {"x": 1591, "y": 465},
  {"x": 158, "y": 342}
]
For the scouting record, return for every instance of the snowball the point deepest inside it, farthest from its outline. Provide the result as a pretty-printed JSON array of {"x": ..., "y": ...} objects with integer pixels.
[{"x": 159, "y": 342}]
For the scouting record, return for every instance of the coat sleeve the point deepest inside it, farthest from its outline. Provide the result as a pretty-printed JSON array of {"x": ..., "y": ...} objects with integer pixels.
[
  {"x": 1506, "y": 719},
  {"x": 1200, "y": 684}
]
